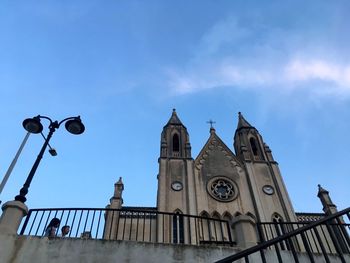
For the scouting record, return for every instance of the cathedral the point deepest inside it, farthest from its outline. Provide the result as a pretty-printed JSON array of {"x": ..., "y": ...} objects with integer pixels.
[
  {"x": 222, "y": 194},
  {"x": 224, "y": 205}
]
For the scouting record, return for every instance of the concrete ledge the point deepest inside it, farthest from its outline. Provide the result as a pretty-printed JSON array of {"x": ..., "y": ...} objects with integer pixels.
[{"x": 21, "y": 249}]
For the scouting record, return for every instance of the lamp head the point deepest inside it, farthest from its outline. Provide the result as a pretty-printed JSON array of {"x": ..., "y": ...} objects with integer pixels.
[
  {"x": 53, "y": 152},
  {"x": 33, "y": 125},
  {"x": 75, "y": 126}
]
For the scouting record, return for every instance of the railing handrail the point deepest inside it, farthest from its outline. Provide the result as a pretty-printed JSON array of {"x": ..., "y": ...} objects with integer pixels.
[
  {"x": 126, "y": 210},
  {"x": 283, "y": 237},
  {"x": 296, "y": 223}
]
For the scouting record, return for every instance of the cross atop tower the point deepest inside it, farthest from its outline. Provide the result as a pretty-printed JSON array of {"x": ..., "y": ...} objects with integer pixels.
[{"x": 211, "y": 123}]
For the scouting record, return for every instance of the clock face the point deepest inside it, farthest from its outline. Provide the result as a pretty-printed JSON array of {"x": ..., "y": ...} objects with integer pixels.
[
  {"x": 177, "y": 186},
  {"x": 268, "y": 189}
]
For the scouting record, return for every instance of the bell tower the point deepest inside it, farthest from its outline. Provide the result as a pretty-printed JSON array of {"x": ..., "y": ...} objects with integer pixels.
[
  {"x": 266, "y": 186},
  {"x": 175, "y": 176}
]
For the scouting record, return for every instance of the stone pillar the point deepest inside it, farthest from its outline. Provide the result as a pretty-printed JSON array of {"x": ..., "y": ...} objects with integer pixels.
[
  {"x": 12, "y": 215},
  {"x": 328, "y": 206},
  {"x": 245, "y": 232},
  {"x": 112, "y": 217}
]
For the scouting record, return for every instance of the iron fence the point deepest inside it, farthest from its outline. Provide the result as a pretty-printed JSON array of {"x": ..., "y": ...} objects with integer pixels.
[
  {"x": 327, "y": 236},
  {"x": 314, "y": 237},
  {"x": 145, "y": 225}
]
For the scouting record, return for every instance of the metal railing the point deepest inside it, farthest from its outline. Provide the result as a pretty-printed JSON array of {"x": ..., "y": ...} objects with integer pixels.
[
  {"x": 329, "y": 235},
  {"x": 144, "y": 225}
]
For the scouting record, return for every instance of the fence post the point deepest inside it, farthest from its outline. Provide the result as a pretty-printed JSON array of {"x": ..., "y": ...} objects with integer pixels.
[{"x": 12, "y": 215}]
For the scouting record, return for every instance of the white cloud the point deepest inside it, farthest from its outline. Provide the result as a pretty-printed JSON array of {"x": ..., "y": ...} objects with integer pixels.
[
  {"x": 294, "y": 74},
  {"x": 254, "y": 56},
  {"x": 304, "y": 70}
]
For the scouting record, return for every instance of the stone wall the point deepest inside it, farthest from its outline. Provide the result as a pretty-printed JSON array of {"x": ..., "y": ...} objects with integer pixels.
[{"x": 18, "y": 249}]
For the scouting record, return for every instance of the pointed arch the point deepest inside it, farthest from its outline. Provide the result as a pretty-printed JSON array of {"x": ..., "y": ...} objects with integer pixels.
[
  {"x": 251, "y": 215},
  {"x": 238, "y": 213},
  {"x": 277, "y": 218},
  {"x": 216, "y": 215},
  {"x": 204, "y": 226},
  {"x": 216, "y": 227},
  {"x": 279, "y": 229},
  {"x": 228, "y": 234},
  {"x": 176, "y": 142},
  {"x": 177, "y": 211},
  {"x": 227, "y": 216},
  {"x": 178, "y": 227},
  {"x": 204, "y": 214},
  {"x": 254, "y": 145}
]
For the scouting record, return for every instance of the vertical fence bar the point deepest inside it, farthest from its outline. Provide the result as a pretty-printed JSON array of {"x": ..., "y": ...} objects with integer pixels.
[
  {"x": 324, "y": 252},
  {"x": 326, "y": 238},
  {"x": 98, "y": 223},
  {"x": 86, "y": 220},
  {"x": 163, "y": 229},
  {"x": 31, "y": 227},
  {"x": 335, "y": 242},
  {"x": 132, "y": 214},
  {"x": 314, "y": 242},
  {"x": 278, "y": 253},
  {"x": 125, "y": 216},
  {"x": 92, "y": 221},
  {"x": 137, "y": 225},
  {"x": 307, "y": 247},
  {"x": 75, "y": 213},
  {"x": 26, "y": 222},
  {"x": 144, "y": 226},
  {"x": 81, "y": 214},
  {"x": 47, "y": 220}
]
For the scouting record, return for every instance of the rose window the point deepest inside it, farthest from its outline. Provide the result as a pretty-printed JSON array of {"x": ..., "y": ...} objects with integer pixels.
[{"x": 222, "y": 189}]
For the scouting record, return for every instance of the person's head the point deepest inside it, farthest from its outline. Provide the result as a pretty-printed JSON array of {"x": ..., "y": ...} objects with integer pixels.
[
  {"x": 65, "y": 230},
  {"x": 55, "y": 222}
]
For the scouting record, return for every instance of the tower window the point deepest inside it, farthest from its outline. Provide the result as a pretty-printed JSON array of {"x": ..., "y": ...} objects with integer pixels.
[
  {"x": 178, "y": 228},
  {"x": 254, "y": 146},
  {"x": 176, "y": 143}
]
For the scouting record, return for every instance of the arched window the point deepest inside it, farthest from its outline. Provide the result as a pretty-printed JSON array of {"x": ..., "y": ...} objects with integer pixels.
[
  {"x": 217, "y": 227},
  {"x": 204, "y": 226},
  {"x": 178, "y": 228},
  {"x": 176, "y": 143},
  {"x": 280, "y": 229},
  {"x": 228, "y": 234},
  {"x": 254, "y": 146}
]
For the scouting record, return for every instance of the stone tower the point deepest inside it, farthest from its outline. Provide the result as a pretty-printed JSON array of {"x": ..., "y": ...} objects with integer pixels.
[
  {"x": 266, "y": 187},
  {"x": 175, "y": 178}
]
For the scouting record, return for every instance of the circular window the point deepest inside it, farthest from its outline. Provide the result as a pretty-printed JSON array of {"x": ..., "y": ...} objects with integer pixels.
[{"x": 222, "y": 189}]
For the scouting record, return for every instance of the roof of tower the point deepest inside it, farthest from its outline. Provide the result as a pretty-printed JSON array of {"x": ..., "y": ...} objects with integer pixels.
[
  {"x": 174, "y": 119},
  {"x": 321, "y": 190},
  {"x": 242, "y": 123}
]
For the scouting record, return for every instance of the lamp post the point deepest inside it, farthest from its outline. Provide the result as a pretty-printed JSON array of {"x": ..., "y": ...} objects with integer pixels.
[{"x": 33, "y": 125}]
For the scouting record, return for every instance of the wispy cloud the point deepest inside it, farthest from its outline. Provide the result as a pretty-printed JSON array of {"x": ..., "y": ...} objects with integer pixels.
[
  {"x": 254, "y": 56},
  {"x": 304, "y": 70}
]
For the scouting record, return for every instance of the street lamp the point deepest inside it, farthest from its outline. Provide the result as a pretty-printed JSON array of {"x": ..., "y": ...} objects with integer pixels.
[{"x": 33, "y": 125}]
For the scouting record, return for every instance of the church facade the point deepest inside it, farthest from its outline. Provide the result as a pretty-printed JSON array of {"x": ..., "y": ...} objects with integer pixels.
[
  {"x": 225, "y": 205},
  {"x": 217, "y": 197}
]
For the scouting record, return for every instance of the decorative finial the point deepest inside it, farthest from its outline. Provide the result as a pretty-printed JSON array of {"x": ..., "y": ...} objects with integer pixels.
[
  {"x": 174, "y": 110},
  {"x": 120, "y": 181}
]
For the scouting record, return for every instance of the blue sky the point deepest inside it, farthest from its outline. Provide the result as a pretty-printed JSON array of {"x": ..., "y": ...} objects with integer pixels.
[{"x": 123, "y": 66}]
